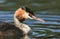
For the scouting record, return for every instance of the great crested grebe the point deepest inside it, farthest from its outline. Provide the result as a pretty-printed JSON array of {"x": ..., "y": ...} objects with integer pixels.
[{"x": 19, "y": 28}]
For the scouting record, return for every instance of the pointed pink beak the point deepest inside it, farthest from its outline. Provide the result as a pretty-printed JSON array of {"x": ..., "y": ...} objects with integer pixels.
[{"x": 38, "y": 19}]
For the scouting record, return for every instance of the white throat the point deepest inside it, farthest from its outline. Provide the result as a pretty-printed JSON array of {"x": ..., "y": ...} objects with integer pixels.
[{"x": 25, "y": 28}]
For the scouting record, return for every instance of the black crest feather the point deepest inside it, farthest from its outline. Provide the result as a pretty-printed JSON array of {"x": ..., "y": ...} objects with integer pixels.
[{"x": 28, "y": 10}]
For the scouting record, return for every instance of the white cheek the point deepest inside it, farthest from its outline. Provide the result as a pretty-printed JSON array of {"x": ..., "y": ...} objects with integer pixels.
[{"x": 26, "y": 15}]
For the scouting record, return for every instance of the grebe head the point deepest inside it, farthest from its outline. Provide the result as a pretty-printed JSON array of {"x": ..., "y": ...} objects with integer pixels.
[{"x": 26, "y": 13}]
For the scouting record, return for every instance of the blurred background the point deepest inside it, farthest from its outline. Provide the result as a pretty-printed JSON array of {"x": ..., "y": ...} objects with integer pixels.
[
  {"x": 49, "y": 6},
  {"x": 49, "y": 10}
]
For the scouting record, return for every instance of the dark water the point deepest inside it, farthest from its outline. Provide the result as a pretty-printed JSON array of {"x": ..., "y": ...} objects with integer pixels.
[
  {"x": 49, "y": 10},
  {"x": 48, "y": 30}
]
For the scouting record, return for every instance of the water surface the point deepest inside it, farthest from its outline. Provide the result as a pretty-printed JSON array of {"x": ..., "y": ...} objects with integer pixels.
[
  {"x": 48, "y": 30},
  {"x": 49, "y": 10}
]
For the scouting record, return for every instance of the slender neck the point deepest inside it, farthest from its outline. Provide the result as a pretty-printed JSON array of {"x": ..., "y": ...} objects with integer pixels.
[
  {"x": 17, "y": 22},
  {"x": 25, "y": 28}
]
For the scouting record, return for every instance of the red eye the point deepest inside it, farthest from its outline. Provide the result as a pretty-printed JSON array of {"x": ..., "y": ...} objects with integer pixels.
[{"x": 30, "y": 15}]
